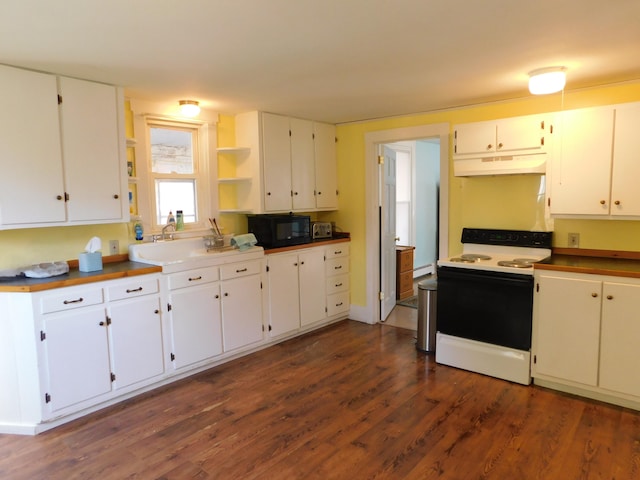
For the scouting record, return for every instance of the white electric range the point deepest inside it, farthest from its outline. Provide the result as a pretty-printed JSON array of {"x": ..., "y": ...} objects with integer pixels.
[{"x": 485, "y": 302}]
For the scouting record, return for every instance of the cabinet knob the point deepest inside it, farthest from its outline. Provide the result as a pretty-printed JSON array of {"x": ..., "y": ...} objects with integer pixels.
[
  {"x": 301, "y": 263},
  {"x": 59, "y": 197},
  {"x": 226, "y": 294},
  {"x": 489, "y": 147},
  {"x": 101, "y": 324},
  {"x": 116, "y": 196},
  {"x": 319, "y": 193},
  {"x": 594, "y": 294},
  {"x": 602, "y": 202},
  {"x": 500, "y": 145},
  {"x": 617, "y": 202},
  {"x": 156, "y": 311},
  {"x": 268, "y": 193},
  {"x": 609, "y": 297},
  {"x": 217, "y": 296},
  {"x": 295, "y": 193}
]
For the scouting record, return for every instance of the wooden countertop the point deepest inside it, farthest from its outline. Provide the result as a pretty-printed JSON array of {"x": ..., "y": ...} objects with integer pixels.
[
  {"x": 595, "y": 262},
  {"x": 315, "y": 243},
  {"x": 113, "y": 267}
]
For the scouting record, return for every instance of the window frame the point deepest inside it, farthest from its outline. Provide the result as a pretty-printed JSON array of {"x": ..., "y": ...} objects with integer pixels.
[{"x": 202, "y": 168}]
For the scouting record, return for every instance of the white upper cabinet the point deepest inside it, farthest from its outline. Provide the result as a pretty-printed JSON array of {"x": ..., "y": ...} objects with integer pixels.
[
  {"x": 63, "y": 148},
  {"x": 324, "y": 139},
  {"x": 31, "y": 187},
  {"x": 288, "y": 164},
  {"x": 91, "y": 146},
  {"x": 596, "y": 166},
  {"x": 505, "y": 136}
]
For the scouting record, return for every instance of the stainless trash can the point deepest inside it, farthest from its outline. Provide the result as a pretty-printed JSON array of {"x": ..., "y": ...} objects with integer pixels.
[{"x": 426, "y": 340}]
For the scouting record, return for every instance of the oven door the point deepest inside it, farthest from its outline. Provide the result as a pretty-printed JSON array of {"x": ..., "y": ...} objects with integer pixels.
[{"x": 490, "y": 307}]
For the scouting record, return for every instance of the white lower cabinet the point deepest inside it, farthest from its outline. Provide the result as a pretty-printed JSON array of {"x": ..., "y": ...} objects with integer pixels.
[
  {"x": 586, "y": 334},
  {"x": 97, "y": 339},
  {"x": 241, "y": 289},
  {"x": 194, "y": 313},
  {"x": 307, "y": 287},
  {"x": 76, "y": 356}
]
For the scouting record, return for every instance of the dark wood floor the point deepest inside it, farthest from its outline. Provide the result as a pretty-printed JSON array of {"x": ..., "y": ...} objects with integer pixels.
[{"x": 351, "y": 401}]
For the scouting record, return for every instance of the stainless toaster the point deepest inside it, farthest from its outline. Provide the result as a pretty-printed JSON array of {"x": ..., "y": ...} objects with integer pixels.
[{"x": 320, "y": 230}]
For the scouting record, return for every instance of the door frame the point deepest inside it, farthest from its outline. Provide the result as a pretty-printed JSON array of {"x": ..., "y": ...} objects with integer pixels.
[{"x": 372, "y": 201}]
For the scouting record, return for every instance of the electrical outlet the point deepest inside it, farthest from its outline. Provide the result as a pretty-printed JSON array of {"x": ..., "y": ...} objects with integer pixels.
[
  {"x": 114, "y": 247},
  {"x": 574, "y": 240}
]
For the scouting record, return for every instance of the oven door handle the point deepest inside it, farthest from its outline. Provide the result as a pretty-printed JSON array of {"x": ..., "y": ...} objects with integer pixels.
[{"x": 445, "y": 273}]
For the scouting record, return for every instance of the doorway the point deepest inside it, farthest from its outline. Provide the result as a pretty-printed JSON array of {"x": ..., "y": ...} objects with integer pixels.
[{"x": 374, "y": 203}]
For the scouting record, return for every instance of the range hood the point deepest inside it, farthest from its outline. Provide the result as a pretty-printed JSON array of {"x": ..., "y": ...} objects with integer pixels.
[{"x": 500, "y": 165}]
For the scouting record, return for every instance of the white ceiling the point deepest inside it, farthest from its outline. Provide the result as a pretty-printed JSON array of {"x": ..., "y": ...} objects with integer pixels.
[{"x": 327, "y": 60}]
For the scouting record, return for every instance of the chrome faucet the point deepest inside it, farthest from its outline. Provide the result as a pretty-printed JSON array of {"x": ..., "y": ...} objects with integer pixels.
[{"x": 164, "y": 230}]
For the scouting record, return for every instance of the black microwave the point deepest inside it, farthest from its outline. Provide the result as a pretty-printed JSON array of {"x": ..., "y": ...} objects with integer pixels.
[{"x": 273, "y": 231}]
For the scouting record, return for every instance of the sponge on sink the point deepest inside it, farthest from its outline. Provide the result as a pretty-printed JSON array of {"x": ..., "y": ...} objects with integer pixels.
[{"x": 244, "y": 242}]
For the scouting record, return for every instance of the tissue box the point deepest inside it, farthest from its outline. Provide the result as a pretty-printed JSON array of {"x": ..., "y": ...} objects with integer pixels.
[{"x": 90, "y": 262}]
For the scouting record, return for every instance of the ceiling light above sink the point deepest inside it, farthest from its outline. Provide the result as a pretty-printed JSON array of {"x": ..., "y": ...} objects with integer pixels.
[{"x": 189, "y": 108}]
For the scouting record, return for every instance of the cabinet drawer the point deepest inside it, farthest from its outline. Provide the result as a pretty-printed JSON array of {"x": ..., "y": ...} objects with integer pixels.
[
  {"x": 71, "y": 299},
  {"x": 134, "y": 288},
  {"x": 240, "y": 269},
  {"x": 337, "y": 250},
  {"x": 337, "y": 303},
  {"x": 338, "y": 283},
  {"x": 336, "y": 266},
  {"x": 404, "y": 282},
  {"x": 404, "y": 260},
  {"x": 193, "y": 277}
]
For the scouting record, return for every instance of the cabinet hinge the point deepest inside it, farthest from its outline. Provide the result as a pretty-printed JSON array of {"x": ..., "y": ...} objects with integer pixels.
[
  {"x": 260, "y": 285},
  {"x": 59, "y": 99},
  {"x": 326, "y": 310},
  {"x": 549, "y": 202},
  {"x": 336, "y": 192},
  {"x": 537, "y": 287},
  {"x": 380, "y": 160},
  {"x": 270, "y": 327},
  {"x": 542, "y": 141},
  {"x": 66, "y": 197},
  {"x": 289, "y": 132},
  {"x": 173, "y": 357},
  {"x": 542, "y": 125},
  {"x": 455, "y": 134},
  {"x": 108, "y": 320},
  {"x": 267, "y": 268},
  {"x": 381, "y": 295},
  {"x": 113, "y": 377},
  {"x": 47, "y": 398},
  {"x": 168, "y": 307},
  {"x": 535, "y": 359},
  {"x": 43, "y": 336},
  {"x": 335, "y": 139},
  {"x": 313, "y": 136},
  {"x": 550, "y": 128}
]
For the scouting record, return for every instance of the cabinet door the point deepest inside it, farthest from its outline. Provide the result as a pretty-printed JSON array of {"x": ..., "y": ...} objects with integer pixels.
[
  {"x": 581, "y": 170},
  {"x": 241, "y": 319},
  {"x": 475, "y": 138},
  {"x": 625, "y": 194},
  {"x": 520, "y": 133},
  {"x": 276, "y": 151},
  {"x": 195, "y": 324},
  {"x": 77, "y": 356},
  {"x": 31, "y": 186},
  {"x": 284, "y": 302},
  {"x": 620, "y": 356},
  {"x": 311, "y": 274},
  {"x": 89, "y": 117},
  {"x": 325, "y": 166},
  {"x": 136, "y": 341},
  {"x": 567, "y": 324},
  {"x": 302, "y": 165}
]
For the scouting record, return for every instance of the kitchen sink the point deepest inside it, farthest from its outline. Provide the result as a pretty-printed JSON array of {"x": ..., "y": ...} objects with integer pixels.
[{"x": 183, "y": 254}]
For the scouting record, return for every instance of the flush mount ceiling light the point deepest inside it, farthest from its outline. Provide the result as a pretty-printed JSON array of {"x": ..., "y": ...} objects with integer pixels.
[
  {"x": 189, "y": 108},
  {"x": 547, "y": 80}
]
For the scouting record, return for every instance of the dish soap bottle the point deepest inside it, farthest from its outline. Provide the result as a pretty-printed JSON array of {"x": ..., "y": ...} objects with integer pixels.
[
  {"x": 171, "y": 218},
  {"x": 179, "y": 220},
  {"x": 139, "y": 231}
]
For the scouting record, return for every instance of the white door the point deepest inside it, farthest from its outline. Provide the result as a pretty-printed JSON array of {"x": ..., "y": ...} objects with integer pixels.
[{"x": 388, "y": 233}]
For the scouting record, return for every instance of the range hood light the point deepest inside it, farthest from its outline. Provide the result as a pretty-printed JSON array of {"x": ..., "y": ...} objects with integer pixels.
[
  {"x": 547, "y": 80},
  {"x": 189, "y": 108}
]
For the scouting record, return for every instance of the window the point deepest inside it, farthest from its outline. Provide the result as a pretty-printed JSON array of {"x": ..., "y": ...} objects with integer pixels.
[{"x": 177, "y": 166}]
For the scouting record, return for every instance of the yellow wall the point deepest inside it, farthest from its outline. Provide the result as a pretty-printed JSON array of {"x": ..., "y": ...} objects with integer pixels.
[{"x": 489, "y": 202}]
